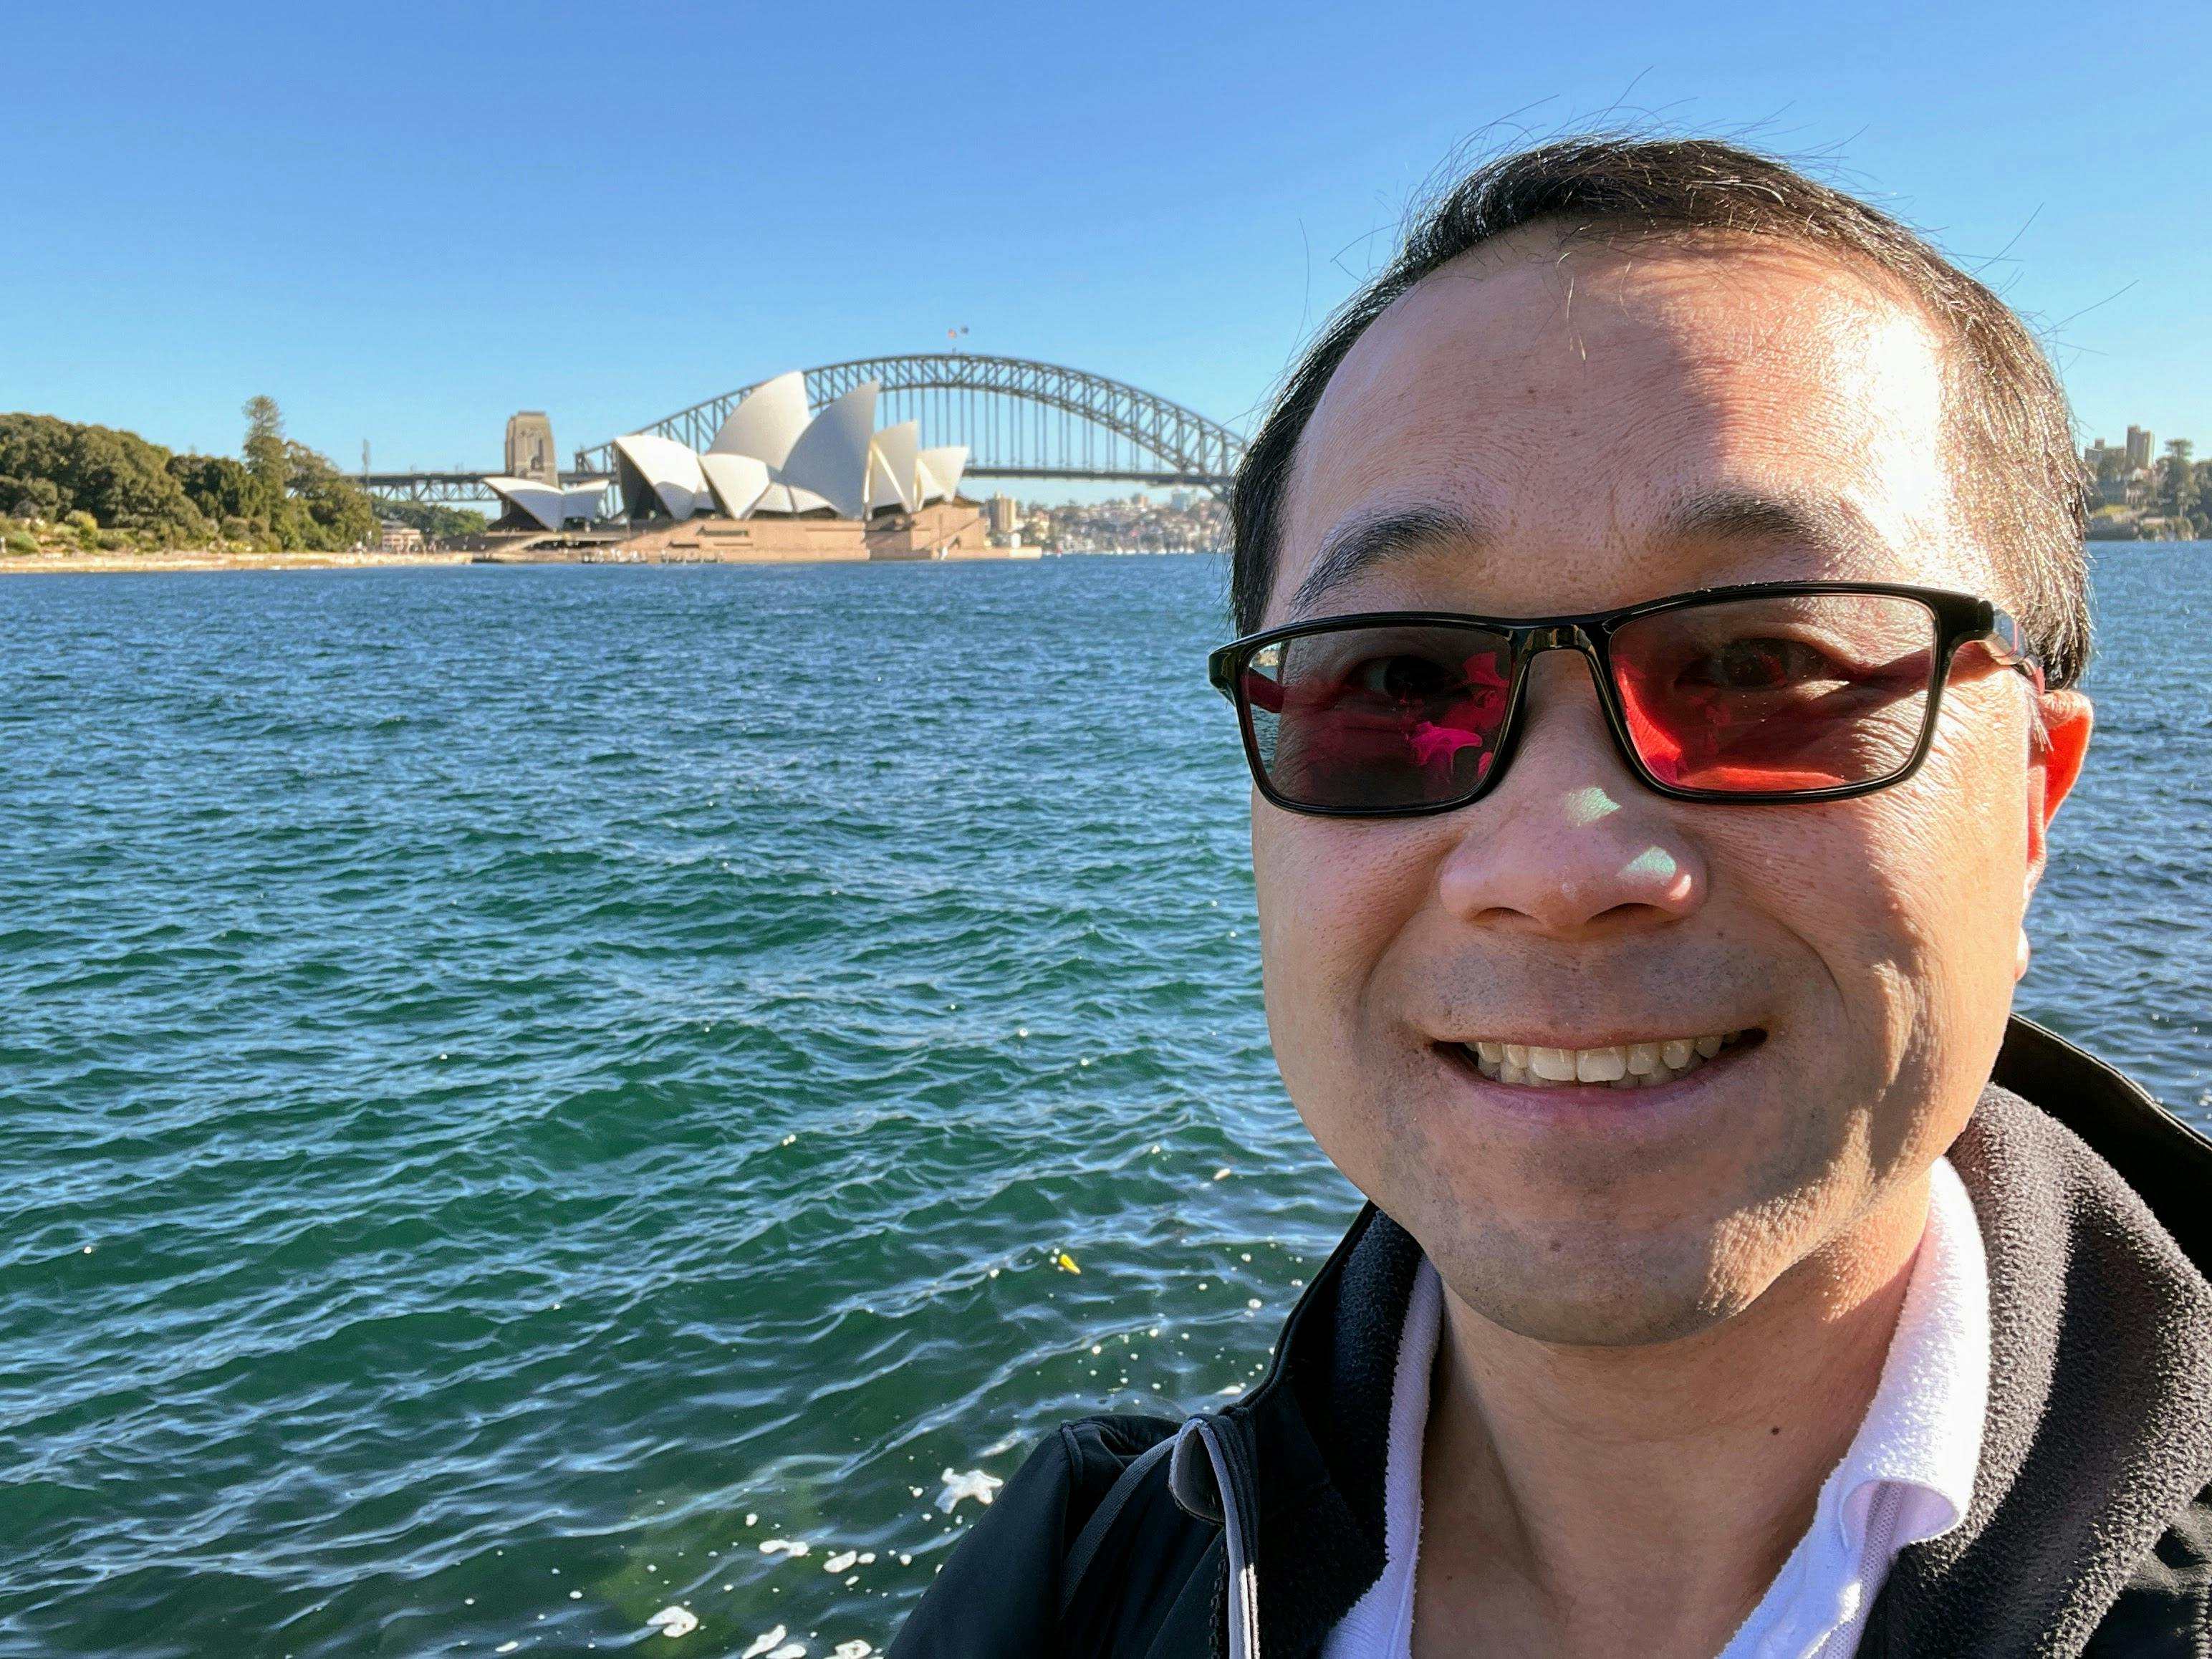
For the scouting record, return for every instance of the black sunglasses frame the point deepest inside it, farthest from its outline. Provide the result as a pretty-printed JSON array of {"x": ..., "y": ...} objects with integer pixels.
[{"x": 1959, "y": 619}]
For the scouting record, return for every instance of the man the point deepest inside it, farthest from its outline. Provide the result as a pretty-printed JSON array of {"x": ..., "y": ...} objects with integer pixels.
[{"x": 1662, "y": 590}]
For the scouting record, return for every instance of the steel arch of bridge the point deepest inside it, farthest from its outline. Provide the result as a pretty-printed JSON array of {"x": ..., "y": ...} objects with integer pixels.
[{"x": 1019, "y": 420}]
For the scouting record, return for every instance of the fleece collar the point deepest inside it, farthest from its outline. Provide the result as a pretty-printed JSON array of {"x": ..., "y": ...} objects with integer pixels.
[
  {"x": 2100, "y": 1428},
  {"x": 2099, "y": 1424}
]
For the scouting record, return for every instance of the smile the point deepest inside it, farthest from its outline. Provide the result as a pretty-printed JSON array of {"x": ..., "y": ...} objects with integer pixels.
[{"x": 1619, "y": 1065}]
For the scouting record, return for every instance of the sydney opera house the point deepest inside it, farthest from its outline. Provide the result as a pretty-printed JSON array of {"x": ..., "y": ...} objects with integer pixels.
[{"x": 777, "y": 481}]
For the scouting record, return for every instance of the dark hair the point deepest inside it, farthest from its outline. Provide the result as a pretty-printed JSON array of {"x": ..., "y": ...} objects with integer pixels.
[{"x": 2011, "y": 436}]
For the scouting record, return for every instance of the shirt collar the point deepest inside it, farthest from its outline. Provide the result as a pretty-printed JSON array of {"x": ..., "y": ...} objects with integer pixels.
[{"x": 1922, "y": 1430}]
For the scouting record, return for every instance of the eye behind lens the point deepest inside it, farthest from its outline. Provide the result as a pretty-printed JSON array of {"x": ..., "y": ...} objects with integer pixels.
[{"x": 1773, "y": 694}]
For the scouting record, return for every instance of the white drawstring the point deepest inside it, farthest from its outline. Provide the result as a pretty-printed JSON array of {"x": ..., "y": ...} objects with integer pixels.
[{"x": 1243, "y": 1572}]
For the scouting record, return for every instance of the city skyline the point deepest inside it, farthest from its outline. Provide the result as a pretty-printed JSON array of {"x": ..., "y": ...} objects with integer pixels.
[{"x": 320, "y": 207}]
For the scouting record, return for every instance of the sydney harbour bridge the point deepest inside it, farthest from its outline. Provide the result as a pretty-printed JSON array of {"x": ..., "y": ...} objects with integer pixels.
[{"x": 1019, "y": 420}]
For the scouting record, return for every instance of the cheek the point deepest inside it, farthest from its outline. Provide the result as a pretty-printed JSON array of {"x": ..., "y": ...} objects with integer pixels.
[
  {"x": 1969, "y": 808},
  {"x": 1912, "y": 899},
  {"x": 1331, "y": 897}
]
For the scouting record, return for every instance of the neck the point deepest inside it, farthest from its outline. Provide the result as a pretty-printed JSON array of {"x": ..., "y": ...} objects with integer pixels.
[{"x": 1592, "y": 1500}]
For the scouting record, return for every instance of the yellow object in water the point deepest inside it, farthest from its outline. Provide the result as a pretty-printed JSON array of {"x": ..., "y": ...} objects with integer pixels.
[{"x": 1065, "y": 1263}]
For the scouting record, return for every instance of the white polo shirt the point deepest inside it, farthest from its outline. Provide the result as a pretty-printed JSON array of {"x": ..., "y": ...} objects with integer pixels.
[{"x": 1909, "y": 1474}]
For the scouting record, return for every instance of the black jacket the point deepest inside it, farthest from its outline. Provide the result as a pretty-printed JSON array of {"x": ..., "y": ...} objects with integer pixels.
[{"x": 1254, "y": 1529}]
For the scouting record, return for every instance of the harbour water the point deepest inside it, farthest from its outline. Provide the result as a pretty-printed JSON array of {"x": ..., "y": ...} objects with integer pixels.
[{"x": 521, "y": 1086}]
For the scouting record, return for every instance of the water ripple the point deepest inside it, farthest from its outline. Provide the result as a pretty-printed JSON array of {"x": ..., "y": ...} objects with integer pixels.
[{"x": 510, "y": 1074}]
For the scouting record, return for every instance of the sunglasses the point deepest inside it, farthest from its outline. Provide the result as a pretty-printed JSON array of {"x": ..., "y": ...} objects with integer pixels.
[{"x": 1779, "y": 691}]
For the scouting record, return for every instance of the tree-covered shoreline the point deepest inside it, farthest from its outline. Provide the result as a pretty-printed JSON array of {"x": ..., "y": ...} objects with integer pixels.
[{"x": 72, "y": 486}]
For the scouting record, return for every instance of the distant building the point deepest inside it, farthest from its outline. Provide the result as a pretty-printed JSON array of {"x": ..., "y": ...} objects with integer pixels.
[
  {"x": 2141, "y": 448},
  {"x": 780, "y": 481},
  {"x": 771, "y": 460},
  {"x": 532, "y": 489},
  {"x": 392, "y": 536},
  {"x": 1181, "y": 500},
  {"x": 1006, "y": 515},
  {"x": 530, "y": 452}
]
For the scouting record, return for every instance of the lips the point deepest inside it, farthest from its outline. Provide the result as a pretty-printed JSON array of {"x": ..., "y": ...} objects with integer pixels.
[{"x": 1619, "y": 1065}]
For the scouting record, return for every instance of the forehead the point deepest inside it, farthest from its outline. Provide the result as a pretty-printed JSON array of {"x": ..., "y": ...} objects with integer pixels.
[{"x": 1607, "y": 425}]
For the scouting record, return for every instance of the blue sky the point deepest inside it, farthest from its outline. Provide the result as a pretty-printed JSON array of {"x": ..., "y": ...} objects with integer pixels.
[{"x": 406, "y": 220}]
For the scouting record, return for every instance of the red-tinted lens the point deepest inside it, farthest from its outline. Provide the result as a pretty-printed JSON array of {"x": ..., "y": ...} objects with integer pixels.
[
  {"x": 1368, "y": 718},
  {"x": 1777, "y": 694}
]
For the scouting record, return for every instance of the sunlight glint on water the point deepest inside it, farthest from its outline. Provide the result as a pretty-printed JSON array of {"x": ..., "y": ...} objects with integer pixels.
[{"x": 510, "y": 1074}]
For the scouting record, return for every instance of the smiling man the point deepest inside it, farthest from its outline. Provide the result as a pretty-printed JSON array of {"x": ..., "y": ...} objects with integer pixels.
[{"x": 1661, "y": 591}]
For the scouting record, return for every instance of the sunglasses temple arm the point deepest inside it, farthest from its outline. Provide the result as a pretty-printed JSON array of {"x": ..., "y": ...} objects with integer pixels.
[{"x": 2010, "y": 646}]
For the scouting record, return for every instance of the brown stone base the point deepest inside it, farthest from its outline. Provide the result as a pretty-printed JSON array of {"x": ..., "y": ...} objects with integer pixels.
[
  {"x": 751, "y": 541},
  {"x": 943, "y": 530}
]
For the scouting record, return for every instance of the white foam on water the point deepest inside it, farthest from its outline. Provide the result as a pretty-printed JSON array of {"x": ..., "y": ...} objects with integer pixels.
[
  {"x": 975, "y": 1484},
  {"x": 675, "y": 1621}
]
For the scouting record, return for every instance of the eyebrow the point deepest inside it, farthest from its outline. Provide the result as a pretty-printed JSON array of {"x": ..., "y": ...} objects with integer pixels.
[
  {"x": 1372, "y": 540},
  {"x": 1826, "y": 524}
]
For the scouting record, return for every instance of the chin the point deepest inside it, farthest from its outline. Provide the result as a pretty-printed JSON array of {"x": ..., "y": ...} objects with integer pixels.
[
  {"x": 1633, "y": 1294},
  {"x": 1612, "y": 1221}
]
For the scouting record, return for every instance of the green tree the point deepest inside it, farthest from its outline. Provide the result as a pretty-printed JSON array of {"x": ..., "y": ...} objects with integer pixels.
[
  {"x": 221, "y": 488},
  {"x": 436, "y": 523},
  {"x": 30, "y": 498},
  {"x": 282, "y": 493},
  {"x": 327, "y": 510},
  {"x": 286, "y": 490},
  {"x": 264, "y": 443},
  {"x": 2178, "y": 484},
  {"x": 266, "y": 460},
  {"x": 121, "y": 482}
]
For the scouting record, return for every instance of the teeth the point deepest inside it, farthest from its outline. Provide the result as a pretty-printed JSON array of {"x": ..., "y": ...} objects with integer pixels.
[
  {"x": 1600, "y": 1065},
  {"x": 1553, "y": 1064},
  {"x": 1623, "y": 1066}
]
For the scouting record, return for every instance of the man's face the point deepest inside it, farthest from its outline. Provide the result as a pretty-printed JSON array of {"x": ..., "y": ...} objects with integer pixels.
[{"x": 1616, "y": 427}]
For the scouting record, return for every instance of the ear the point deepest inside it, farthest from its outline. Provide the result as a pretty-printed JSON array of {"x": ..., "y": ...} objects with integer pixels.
[{"x": 2057, "y": 747}]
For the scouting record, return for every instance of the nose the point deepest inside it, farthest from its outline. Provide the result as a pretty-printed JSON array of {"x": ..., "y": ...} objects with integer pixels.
[{"x": 1570, "y": 845}]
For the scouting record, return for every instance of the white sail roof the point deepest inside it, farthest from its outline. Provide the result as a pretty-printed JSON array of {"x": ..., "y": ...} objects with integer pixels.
[
  {"x": 738, "y": 482},
  {"x": 579, "y": 497},
  {"x": 767, "y": 421},
  {"x": 941, "y": 469},
  {"x": 539, "y": 502},
  {"x": 769, "y": 458},
  {"x": 659, "y": 472},
  {"x": 893, "y": 456},
  {"x": 830, "y": 458},
  {"x": 783, "y": 499},
  {"x": 549, "y": 505}
]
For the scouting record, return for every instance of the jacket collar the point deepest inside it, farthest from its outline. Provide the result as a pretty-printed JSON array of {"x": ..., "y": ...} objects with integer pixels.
[
  {"x": 2100, "y": 1427},
  {"x": 2101, "y": 1414}
]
